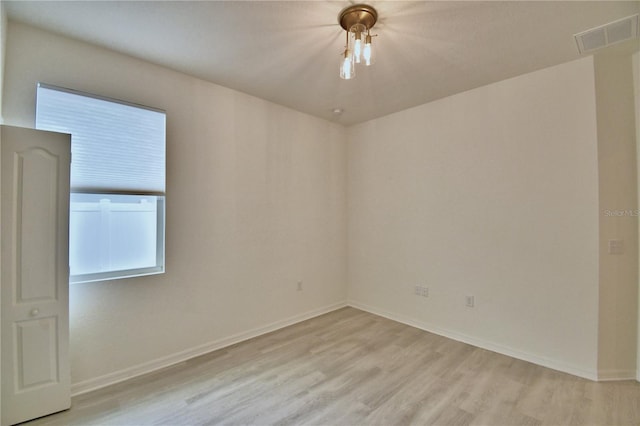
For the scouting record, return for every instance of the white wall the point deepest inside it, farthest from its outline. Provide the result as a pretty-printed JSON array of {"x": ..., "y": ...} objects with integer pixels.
[
  {"x": 3, "y": 46},
  {"x": 618, "y": 305},
  {"x": 492, "y": 193},
  {"x": 636, "y": 83},
  {"x": 3, "y": 38},
  {"x": 269, "y": 186}
]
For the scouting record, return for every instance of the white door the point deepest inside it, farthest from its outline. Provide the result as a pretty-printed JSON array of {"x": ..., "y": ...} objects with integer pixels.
[{"x": 34, "y": 273}]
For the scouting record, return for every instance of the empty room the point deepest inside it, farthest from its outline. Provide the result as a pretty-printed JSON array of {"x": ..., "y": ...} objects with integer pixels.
[{"x": 319, "y": 212}]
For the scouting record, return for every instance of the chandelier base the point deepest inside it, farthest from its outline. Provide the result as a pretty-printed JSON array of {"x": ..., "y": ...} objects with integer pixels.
[{"x": 358, "y": 14}]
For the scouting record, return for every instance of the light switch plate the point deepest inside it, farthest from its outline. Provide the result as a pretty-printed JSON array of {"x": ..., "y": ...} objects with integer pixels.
[{"x": 616, "y": 246}]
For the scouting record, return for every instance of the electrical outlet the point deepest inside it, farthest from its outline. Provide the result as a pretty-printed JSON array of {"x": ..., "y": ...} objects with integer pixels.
[
  {"x": 421, "y": 291},
  {"x": 469, "y": 301}
]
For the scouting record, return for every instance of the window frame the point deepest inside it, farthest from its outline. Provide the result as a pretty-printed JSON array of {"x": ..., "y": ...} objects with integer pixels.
[{"x": 160, "y": 267}]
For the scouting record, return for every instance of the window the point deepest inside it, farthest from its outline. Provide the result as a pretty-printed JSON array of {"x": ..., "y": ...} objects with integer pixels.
[{"x": 116, "y": 220}]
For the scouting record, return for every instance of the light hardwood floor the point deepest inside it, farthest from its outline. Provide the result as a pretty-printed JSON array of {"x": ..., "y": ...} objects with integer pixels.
[{"x": 349, "y": 367}]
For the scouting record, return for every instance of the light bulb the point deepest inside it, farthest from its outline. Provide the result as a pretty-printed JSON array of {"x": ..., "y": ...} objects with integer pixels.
[
  {"x": 356, "y": 32},
  {"x": 367, "y": 52},
  {"x": 357, "y": 48},
  {"x": 347, "y": 69}
]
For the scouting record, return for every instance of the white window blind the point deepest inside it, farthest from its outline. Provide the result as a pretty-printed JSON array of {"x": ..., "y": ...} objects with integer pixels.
[{"x": 116, "y": 147}]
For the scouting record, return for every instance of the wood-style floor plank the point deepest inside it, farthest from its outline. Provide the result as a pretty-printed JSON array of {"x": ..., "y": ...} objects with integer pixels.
[{"x": 350, "y": 367}]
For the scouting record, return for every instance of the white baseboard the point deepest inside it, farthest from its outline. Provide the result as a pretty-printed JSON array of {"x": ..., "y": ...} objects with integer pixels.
[
  {"x": 156, "y": 364},
  {"x": 167, "y": 361},
  {"x": 613, "y": 375},
  {"x": 504, "y": 350}
]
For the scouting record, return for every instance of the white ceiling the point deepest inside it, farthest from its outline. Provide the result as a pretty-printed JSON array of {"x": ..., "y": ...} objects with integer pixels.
[{"x": 288, "y": 51}]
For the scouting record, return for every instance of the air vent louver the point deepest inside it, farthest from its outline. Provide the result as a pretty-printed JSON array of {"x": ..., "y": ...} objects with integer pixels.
[{"x": 608, "y": 34}]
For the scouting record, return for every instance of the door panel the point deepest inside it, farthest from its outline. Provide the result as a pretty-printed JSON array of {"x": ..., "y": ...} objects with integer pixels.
[
  {"x": 34, "y": 273},
  {"x": 36, "y": 214},
  {"x": 36, "y": 353}
]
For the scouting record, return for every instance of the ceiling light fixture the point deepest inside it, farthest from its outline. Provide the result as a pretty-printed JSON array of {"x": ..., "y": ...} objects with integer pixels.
[{"x": 357, "y": 21}]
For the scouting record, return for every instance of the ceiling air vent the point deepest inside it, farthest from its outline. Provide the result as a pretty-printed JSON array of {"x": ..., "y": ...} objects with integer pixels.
[{"x": 607, "y": 34}]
